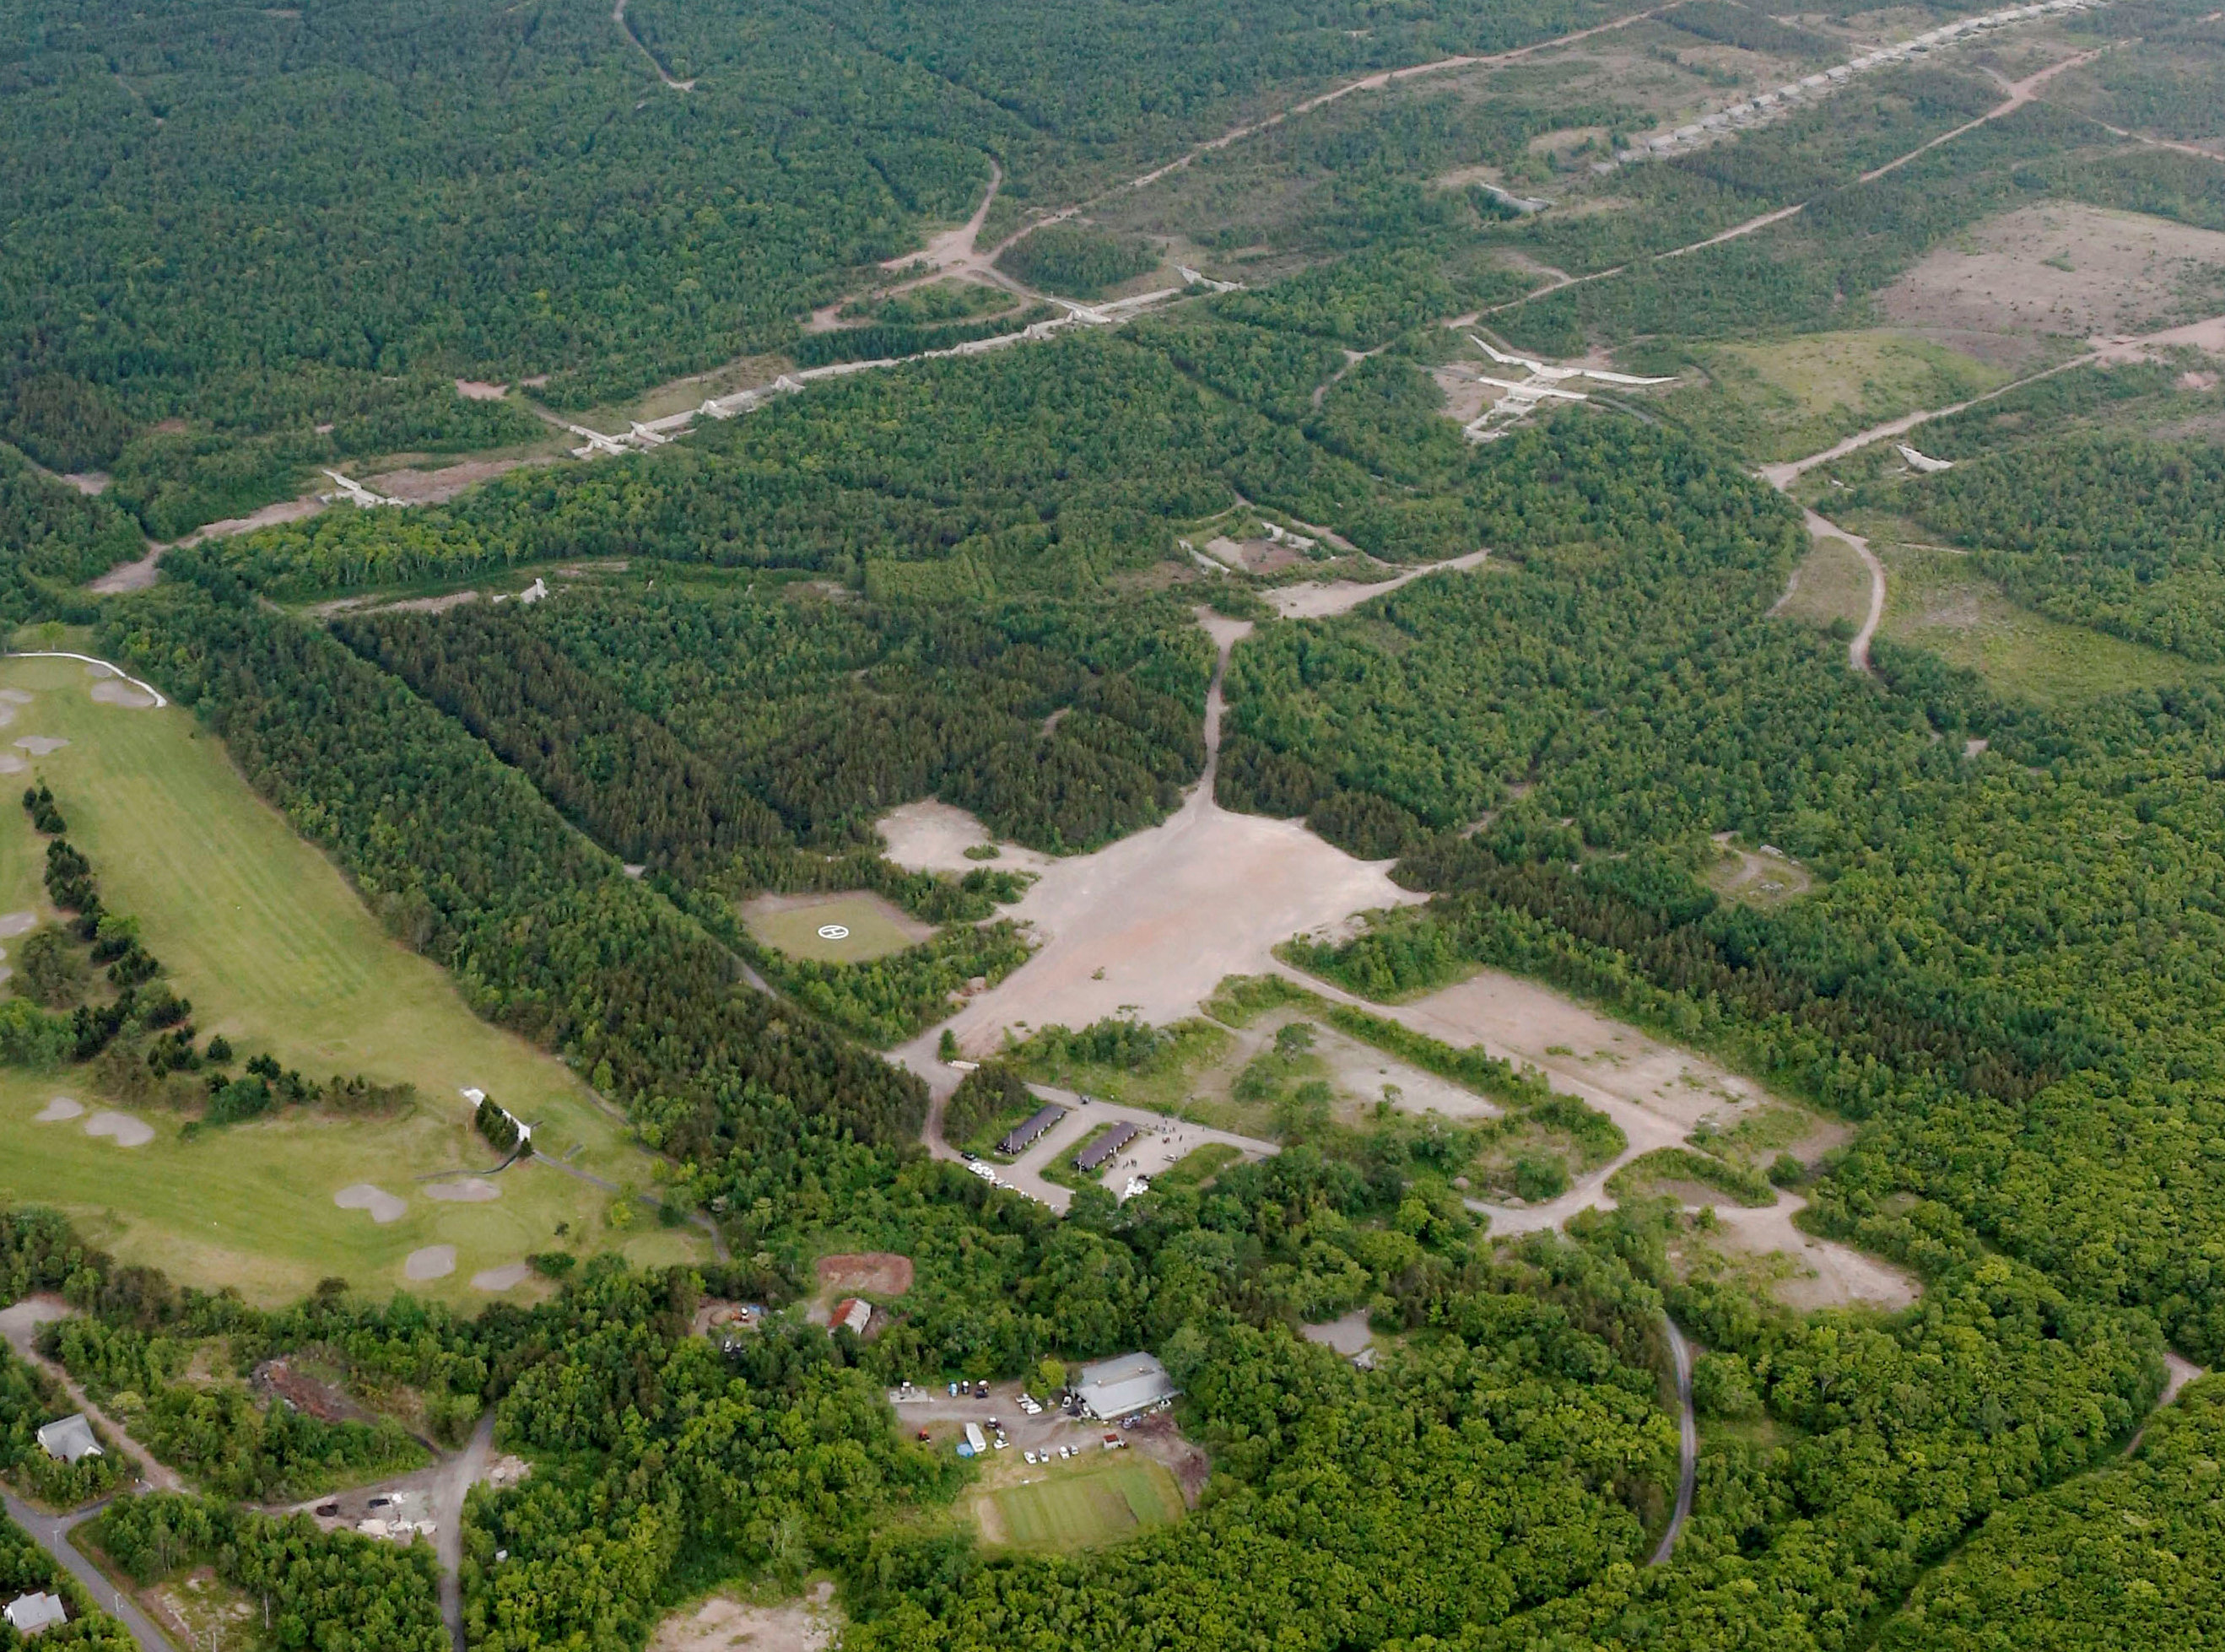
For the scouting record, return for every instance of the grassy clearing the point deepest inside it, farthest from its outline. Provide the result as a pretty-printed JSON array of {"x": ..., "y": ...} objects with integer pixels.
[
  {"x": 1830, "y": 582},
  {"x": 1792, "y": 396},
  {"x": 1105, "y": 1497},
  {"x": 874, "y": 927},
  {"x": 1936, "y": 600},
  {"x": 277, "y": 954}
]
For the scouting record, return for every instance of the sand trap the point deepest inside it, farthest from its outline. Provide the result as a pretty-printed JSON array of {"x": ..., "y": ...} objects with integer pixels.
[
  {"x": 470, "y": 1190},
  {"x": 11, "y": 764},
  {"x": 383, "y": 1206},
  {"x": 434, "y": 1262},
  {"x": 42, "y": 745},
  {"x": 61, "y": 1108},
  {"x": 18, "y": 923},
  {"x": 110, "y": 692},
  {"x": 494, "y": 1279},
  {"x": 126, "y": 1130},
  {"x": 17, "y": 696},
  {"x": 8, "y": 710}
]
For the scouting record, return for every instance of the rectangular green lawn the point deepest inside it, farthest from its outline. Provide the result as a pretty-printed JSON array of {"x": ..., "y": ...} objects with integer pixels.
[
  {"x": 871, "y": 926},
  {"x": 277, "y": 953},
  {"x": 1117, "y": 1494}
]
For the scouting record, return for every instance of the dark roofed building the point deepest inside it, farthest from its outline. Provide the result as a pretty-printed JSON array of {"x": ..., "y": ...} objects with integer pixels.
[
  {"x": 1021, "y": 1137},
  {"x": 1097, "y": 1153}
]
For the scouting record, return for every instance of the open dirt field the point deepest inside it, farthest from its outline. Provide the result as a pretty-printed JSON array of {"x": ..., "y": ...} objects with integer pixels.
[
  {"x": 418, "y": 487},
  {"x": 2078, "y": 271},
  {"x": 833, "y": 928},
  {"x": 932, "y": 836},
  {"x": 1154, "y": 922},
  {"x": 1322, "y": 599},
  {"x": 723, "y": 1624},
  {"x": 1826, "y": 1274},
  {"x": 878, "y": 1273}
]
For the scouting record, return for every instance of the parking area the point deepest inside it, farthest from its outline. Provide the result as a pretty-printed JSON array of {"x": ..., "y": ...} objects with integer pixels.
[{"x": 945, "y": 1417}]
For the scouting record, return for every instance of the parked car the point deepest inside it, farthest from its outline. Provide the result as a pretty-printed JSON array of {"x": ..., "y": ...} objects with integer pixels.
[{"x": 1030, "y": 1456}]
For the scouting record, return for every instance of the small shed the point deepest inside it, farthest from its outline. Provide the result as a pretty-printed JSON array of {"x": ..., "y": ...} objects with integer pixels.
[
  {"x": 855, "y": 1312},
  {"x": 29, "y": 1614},
  {"x": 1113, "y": 1389},
  {"x": 69, "y": 1441},
  {"x": 976, "y": 1438},
  {"x": 1022, "y": 1137}
]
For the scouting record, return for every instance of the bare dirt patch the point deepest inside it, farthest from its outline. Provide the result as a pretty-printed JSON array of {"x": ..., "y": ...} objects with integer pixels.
[
  {"x": 2078, "y": 271},
  {"x": 1348, "y": 1336},
  {"x": 1768, "y": 876},
  {"x": 1155, "y": 1435},
  {"x": 1824, "y": 1273},
  {"x": 723, "y": 1624},
  {"x": 877, "y": 1273},
  {"x": 466, "y": 1190},
  {"x": 109, "y": 691},
  {"x": 418, "y": 487},
  {"x": 477, "y": 389},
  {"x": 932, "y": 836}
]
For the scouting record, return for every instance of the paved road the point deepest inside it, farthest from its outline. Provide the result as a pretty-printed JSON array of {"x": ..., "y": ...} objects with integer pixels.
[
  {"x": 1688, "y": 1445},
  {"x": 51, "y": 1533}
]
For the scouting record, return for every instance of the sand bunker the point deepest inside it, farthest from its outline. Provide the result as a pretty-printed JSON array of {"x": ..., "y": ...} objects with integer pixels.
[
  {"x": 470, "y": 1190},
  {"x": 497, "y": 1279},
  {"x": 110, "y": 692},
  {"x": 126, "y": 1130},
  {"x": 42, "y": 745},
  {"x": 57, "y": 1110},
  {"x": 383, "y": 1206},
  {"x": 11, "y": 764},
  {"x": 7, "y": 713},
  {"x": 18, "y": 923},
  {"x": 434, "y": 1262},
  {"x": 16, "y": 696}
]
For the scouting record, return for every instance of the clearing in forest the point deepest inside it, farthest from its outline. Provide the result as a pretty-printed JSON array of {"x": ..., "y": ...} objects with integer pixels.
[
  {"x": 849, "y": 928},
  {"x": 279, "y": 954},
  {"x": 1101, "y": 1497},
  {"x": 2079, "y": 271},
  {"x": 1938, "y": 601}
]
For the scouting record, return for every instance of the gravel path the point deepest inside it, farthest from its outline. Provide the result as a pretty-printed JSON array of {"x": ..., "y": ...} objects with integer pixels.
[{"x": 1688, "y": 1442}]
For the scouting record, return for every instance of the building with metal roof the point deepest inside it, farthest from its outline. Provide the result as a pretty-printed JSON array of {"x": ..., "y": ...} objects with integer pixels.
[{"x": 1113, "y": 1389}]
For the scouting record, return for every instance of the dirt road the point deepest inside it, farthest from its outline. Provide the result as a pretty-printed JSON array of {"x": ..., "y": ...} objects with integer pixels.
[
  {"x": 19, "y": 1325},
  {"x": 618, "y": 16},
  {"x": 1858, "y": 646}
]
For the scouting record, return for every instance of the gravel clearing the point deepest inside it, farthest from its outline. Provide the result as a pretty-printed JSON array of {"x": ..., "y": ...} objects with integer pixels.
[{"x": 383, "y": 1206}]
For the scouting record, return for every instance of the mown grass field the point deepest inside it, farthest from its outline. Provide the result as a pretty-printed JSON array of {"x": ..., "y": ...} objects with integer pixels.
[
  {"x": 876, "y": 927},
  {"x": 277, "y": 954},
  {"x": 1105, "y": 1496}
]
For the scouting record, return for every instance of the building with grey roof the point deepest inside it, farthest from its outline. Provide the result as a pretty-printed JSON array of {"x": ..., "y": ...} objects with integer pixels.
[
  {"x": 1113, "y": 1389},
  {"x": 69, "y": 1441},
  {"x": 1095, "y": 1156},
  {"x": 28, "y": 1614}
]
